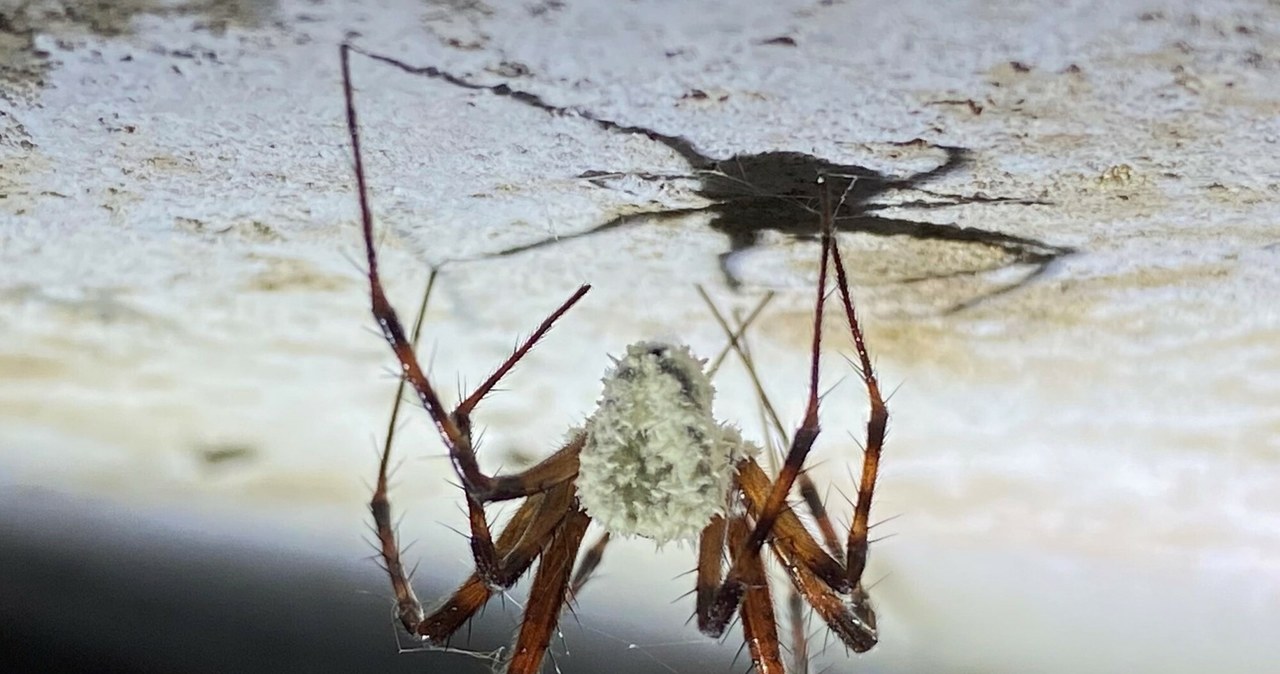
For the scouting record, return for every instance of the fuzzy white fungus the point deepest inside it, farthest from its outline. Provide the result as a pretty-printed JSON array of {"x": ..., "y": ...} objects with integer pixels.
[{"x": 656, "y": 463}]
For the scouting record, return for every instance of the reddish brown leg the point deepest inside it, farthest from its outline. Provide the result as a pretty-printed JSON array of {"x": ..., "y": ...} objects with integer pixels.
[
  {"x": 408, "y": 608},
  {"x": 588, "y": 565},
  {"x": 454, "y": 427},
  {"x": 730, "y": 592},
  {"x": 547, "y": 595},
  {"x": 519, "y": 544},
  {"x": 795, "y": 600},
  {"x": 710, "y": 570},
  {"x": 759, "y": 624},
  {"x": 788, "y": 530},
  {"x": 849, "y": 615},
  {"x": 813, "y": 501},
  {"x": 843, "y": 607},
  {"x": 876, "y": 425},
  {"x": 807, "y": 489}
]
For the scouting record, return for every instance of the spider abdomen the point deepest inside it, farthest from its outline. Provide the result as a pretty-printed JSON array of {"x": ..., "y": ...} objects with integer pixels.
[{"x": 656, "y": 463}]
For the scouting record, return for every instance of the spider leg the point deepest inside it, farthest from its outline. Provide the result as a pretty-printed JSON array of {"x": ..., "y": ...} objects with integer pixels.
[
  {"x": 408, "y": 609},
  {"x": 455, "y": 427},
  {"x": 548, "y": 594},
  {"x": 818, "y": 509},
  {"x": 518, "y": 545},
  {"x": 788, "y": 531},
  {"x": 799, "y": 638},
  {"x": 759, "y": 624},
  {"x": 795, "y": 602},
  {"x": 849, "y": 615},
  {"x": 808, "y": 491},
  {"x": 876, "y": 426},
  {"x": 711, "y": 544},
  {"x": 588, "y": 565},
  {"x": 730, "y": 592},
  {"x": 821, "y": 580},
  {"x": 804, "y": 436},
  {"x": 849, "y": 620}
]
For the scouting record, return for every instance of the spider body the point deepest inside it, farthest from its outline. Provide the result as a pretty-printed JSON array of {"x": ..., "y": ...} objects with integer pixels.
[
  {"x": 655, "y": 462},
  {"x": 650, "y": 461}
]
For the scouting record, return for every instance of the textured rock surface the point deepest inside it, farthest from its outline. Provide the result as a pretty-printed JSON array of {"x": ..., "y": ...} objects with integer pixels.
[{"x": 1088, "y": 467}]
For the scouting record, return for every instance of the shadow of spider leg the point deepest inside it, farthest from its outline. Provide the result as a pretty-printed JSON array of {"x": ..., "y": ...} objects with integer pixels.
[
  {"x": 1015, "y": 250},
  {"x": 619, "y": 222},
  {"x": 751, "y": 193}
]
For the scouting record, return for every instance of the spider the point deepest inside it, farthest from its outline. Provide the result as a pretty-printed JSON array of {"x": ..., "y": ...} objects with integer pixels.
[{"x": 650, "y": 461}]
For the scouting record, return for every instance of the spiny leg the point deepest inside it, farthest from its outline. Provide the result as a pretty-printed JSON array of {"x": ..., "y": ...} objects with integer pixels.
[
  {"x": 844, "y": 608},
  {"x": 855, "y": 553},
  {"x": 547, "y": 595},
  {"x": 408, "y": 608},
  {"x": 588, "y": 564},
  {"x": 454, "y": 428},
  {"x": 759, "y": 624},
  {"x": 808, "y": 491},
  {"x": 854, "y": 621},
  {"x": 877, "y": 423},
  {"x": 796, "y": 617},
  {"x": 517, "y": 545},
  {"x": 730, "y": 592}
]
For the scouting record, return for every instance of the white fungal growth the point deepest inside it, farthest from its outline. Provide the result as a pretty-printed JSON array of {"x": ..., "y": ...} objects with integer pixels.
[{"x": 656, "y": 463}]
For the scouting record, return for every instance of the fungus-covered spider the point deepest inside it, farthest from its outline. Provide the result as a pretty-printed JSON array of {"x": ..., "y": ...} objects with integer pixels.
[{"x": 650, "y": 461}]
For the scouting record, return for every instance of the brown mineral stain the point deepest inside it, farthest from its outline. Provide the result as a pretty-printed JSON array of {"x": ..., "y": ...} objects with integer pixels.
[
  {"x": 291, "y": 275},
  {"x": 24, "y": 67},
  {"x": 31, "y": 367}
]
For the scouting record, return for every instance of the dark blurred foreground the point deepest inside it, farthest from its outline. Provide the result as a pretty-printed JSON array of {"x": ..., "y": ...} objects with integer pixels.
[{"x": 91, "y": 587}]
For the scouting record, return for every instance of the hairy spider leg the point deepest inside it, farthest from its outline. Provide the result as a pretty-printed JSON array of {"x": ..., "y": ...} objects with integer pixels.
[
  {"x": 845, "y": 608},
  {"x": 808, "y": 491},
  {"x": 824, "y": 580},
  {"x": 855, "y": 554},
  {"x": 537, "y": 519},
  {"x": 454, "y": 427},
  {"x": 408, "y": 608},
  {"x": 877, "y": 424},
  {"x": 759, "y": 624},
  {"x": 518, "y": 544},
  {"x": 547, "y": 595},
  {"x": 729, "y": 594}
]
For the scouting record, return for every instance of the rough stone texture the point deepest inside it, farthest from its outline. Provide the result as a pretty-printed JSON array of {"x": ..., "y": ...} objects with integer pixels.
[{"x": 1088, "y": 467}]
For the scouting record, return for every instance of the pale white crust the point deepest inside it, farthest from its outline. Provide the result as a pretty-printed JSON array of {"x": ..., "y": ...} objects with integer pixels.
[{"x": 656, "y": 462}]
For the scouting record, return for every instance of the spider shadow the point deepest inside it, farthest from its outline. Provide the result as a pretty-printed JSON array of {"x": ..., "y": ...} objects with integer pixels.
[{"x": 750, "y": 194}]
